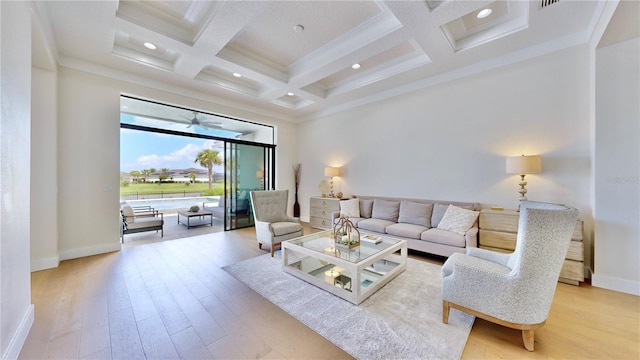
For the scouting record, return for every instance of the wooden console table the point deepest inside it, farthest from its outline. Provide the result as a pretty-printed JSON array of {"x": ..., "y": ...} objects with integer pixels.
[{"x": 498, "y": 232}]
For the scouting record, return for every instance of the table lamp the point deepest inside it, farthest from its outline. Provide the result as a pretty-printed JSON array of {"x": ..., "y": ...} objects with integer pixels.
[
  {"x": 331, "y": 172},
  {"x": 522, "y": 165}
]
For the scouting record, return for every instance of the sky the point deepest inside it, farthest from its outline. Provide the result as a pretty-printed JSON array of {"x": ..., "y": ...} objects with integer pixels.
[{"x": 141, "y": 150}]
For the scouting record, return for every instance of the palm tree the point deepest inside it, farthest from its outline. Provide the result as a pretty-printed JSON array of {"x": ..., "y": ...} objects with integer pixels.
[
  {"x": 192, "y": 176},
  {"x": 135, "y": 174},
  {"x": 163, "y": 174},
  {"x": 207, "y": 158},
  {"x": 144, "y": 174}
]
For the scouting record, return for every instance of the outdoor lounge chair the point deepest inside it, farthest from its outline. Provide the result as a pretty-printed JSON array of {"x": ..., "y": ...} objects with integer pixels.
[{"x": 140, "y": 219}]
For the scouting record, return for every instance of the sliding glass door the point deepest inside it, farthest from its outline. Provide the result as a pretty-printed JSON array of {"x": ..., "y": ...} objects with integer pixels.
[{"x": 248, "y": 167}]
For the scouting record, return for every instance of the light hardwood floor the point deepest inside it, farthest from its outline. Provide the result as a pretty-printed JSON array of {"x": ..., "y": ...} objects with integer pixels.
[{"x": 171, "y": 299}]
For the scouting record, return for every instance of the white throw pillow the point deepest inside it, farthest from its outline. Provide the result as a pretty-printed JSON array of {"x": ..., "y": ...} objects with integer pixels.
[
  {"x": 350, "y": 208},
  {"x": 458, "y": 220}
]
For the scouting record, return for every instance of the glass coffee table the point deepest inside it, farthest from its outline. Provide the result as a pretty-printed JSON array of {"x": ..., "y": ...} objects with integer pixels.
[{"x": 354, "y": 274}]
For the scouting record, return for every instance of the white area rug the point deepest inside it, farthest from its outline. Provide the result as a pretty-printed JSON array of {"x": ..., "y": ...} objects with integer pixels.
[{"x": 403, "y": 320}]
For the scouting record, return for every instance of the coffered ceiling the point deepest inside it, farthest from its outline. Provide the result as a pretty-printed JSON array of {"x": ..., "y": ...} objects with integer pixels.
[{"x": 295, "y": 59}]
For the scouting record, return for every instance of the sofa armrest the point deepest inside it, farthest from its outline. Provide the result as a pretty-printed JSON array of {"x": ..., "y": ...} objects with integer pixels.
[
  {"x": 471, "y": 237},
  {"x": 334, "y": 216}
]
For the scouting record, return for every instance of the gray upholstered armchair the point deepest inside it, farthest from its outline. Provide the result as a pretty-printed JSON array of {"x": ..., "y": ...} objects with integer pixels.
[
  {"x": 273, "y": 225},
  {"x": 513, "y": 290}
]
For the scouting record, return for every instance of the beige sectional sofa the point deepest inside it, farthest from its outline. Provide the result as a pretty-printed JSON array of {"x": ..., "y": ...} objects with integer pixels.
[{"x": 415, "y": 220}]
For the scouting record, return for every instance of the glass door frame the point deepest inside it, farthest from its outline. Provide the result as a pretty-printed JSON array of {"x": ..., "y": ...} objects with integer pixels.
[{"x": 236, "y": 192}]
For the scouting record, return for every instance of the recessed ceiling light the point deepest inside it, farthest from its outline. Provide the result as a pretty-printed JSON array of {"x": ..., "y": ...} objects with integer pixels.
[
  {"x": 298, "y": 28},
  {"x": 237, "y": 74},
  {"x": 484, "y": 13},
  {"x": 355, "y": 66},
  {"x": 149, "y": 45},
  {"x": 290, "y": 94},
  {"x": 125, "y": 107}
]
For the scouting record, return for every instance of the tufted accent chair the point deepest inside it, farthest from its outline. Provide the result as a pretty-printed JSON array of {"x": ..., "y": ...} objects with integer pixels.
[
  {"x": 513, "y": 290},
  {"x": 273, "y": 225}
]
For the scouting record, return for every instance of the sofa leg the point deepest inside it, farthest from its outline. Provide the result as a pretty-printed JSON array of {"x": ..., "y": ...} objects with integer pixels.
[
  {"x": 527, "y": 337},
  {"x": 445, "y": 312},
  {"x": 260, "y": 245},
  {"x": 273, "y": 249}
]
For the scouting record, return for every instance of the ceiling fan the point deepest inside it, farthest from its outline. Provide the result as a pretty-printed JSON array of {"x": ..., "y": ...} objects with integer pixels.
[{"x": 203, "y": 123}]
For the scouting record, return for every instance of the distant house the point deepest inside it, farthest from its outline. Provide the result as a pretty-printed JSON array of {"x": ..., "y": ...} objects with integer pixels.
[{"x": 177, "y": 175}]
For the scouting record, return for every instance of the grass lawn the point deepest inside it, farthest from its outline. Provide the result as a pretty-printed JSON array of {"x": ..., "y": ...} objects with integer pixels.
[{"x": 171, "y": 188}]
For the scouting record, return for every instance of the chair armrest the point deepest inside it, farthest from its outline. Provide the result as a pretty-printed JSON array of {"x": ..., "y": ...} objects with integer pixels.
[
  {"x": 290, "y": 219},
  {"x": 488, "y": 255}
]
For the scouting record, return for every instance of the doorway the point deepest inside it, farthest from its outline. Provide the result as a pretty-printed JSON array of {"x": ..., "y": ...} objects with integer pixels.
[{"x": 244, "y": 157}]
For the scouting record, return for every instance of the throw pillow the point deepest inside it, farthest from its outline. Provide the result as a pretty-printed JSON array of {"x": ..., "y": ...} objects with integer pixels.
[
  {"x": 437, "y": 214},
  {"x": 386, "y": 210},
  {"x": 366, "y": 207},
  {"x": 350, "y": 208},
  {"x": 458, "y": 220},
  {"x": 415, "y": 213},
  {"x": 128, "y": 212}
]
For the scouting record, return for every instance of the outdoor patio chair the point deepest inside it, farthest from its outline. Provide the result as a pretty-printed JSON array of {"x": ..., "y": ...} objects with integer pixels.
[{"x": 140, "y": 220}]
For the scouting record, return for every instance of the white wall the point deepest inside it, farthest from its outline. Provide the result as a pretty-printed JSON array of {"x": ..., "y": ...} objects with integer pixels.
[
  {"x": 449, "y": 142},
  {"x": 88, "y": 156},
  {"x": 617, "y": 168},
  {"x": 44, "y": 174},
  {"x": 16, "y": 311}
]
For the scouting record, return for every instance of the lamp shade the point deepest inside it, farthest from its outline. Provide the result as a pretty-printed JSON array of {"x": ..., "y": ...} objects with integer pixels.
[
  {"x": 332, "y": 171},
  {"x": 525, "y": 164}
]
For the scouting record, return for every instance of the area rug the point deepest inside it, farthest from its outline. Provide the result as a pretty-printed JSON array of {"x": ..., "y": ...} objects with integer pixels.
[{"x": 403, "y": 320}]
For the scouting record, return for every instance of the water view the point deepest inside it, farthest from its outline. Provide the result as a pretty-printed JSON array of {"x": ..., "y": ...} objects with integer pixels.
[{"x": 176, "y": 203}]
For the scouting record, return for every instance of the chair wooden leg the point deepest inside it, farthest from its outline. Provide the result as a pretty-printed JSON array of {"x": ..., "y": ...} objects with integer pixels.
[
  {"x": 527, "y": 337},
  {"x": 445, "y": 312},
  {"x": 273, "y": 248}
]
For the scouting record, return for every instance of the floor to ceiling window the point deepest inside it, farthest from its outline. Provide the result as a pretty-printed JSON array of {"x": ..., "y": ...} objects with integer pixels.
[{"x": 191, "y": 156}]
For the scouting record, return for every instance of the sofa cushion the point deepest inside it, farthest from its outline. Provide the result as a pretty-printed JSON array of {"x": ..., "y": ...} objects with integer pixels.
[
  {"x": 366, "y": 207},
  {"x": 437, "y": 214},
  {"x": 350, "y": 208},
  {"x": 415, "y": 213},
  {"x": 443, "y": 237},
  {"x": 144, "y": 222},
  {"x": 386, "y": 210},
  {"x": 406, "y": 230},
  {"x": 377, "y": 225},
  {"x": 458, "y": 220},
  {"x": 128, "y": 212},
  {"x": 356, "y": 220},
  {"x": 284, "y": 228}
]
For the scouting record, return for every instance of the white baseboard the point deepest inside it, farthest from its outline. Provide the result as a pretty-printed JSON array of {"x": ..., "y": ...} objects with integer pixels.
[
  {"x": 45, "y": 263},
  {"x": 616, "y": 284},
  {"x": 17, "y": 341},
  {"x": 89, "y": 250}
]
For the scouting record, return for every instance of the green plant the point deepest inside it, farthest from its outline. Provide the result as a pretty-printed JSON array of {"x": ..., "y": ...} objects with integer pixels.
[
  {"x": 212, "y": 192},
  {"x": 194, "y": 208}
]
